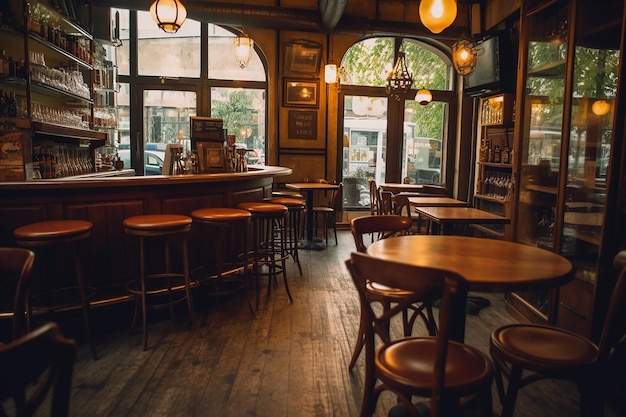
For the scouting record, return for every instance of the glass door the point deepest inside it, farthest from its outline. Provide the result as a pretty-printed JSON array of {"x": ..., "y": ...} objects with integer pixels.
[{"x": 364, "y": 147}]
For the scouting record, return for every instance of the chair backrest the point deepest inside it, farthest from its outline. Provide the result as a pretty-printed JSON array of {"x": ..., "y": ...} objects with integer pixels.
[
  {"x": 16, "y": 265},
  {"x": 374, "y": 196},
  {"x": 43, "y": 361},
  {"x": 383, "y": 226},
  {"x": 422, "y": 283},
  {"x": 385, "y": 205}
]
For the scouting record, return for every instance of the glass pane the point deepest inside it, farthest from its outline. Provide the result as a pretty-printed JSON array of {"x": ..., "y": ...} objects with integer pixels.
[
  {"x": 166, "y": 120},
  {"x": 166, "y": 54},
  {"x": 364, "y": 147},
  {"x": 243, "y": 112},
  {"x": 369, "y": 62},
  {"x": 596, "y": 71},
  {"x": 222, "y": 62},
  {"x": 122, "y": 53},
  {"x": 422, "y": 142},
  {"x": 430, "y": 68}
]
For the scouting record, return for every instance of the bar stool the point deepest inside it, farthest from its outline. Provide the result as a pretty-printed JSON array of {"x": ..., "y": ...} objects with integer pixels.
[
  {"x": 269, "y": 240},
  {"x": 295, "y": 208},
  {"x": 42, "y": 238},
  {"x": 224, "y": 222},
  {"x": 164, "y": 289},
  {"x": 287, "y": 193}
]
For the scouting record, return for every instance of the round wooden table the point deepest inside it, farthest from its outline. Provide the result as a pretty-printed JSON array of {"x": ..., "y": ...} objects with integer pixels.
[{"x": 488, "y": 265}]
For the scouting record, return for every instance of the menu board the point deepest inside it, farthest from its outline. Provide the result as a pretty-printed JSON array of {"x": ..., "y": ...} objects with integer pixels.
[
  {"x": 12, "y": 156},
  {"x": 207, "y": 128}
]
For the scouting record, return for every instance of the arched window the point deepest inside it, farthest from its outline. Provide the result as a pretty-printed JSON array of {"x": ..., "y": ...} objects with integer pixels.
[{"x": 394, "y": 139}]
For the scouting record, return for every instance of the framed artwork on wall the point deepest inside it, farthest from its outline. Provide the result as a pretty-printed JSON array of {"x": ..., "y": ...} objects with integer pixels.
[
  {"x": 302, "y": 124},
  {"x": 301, "y": 93},
  {"x": 303, "y": 56}
]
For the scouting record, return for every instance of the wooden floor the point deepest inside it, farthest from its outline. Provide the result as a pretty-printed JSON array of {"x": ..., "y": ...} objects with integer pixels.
[{"x": 292, "y": 360}]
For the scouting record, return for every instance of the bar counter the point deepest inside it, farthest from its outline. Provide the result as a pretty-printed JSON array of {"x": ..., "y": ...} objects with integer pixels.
[{"x": 106, "y": 201}]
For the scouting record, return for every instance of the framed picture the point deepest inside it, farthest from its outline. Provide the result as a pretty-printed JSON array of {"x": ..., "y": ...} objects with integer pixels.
[
  {"x": 303, "y": 56},
  {"x": 301, "y": 93}
]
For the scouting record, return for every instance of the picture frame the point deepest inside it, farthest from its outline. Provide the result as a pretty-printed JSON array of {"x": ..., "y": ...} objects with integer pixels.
[
  {"x": 301, "y": 93},
  {"x": 303, "y": 56}
]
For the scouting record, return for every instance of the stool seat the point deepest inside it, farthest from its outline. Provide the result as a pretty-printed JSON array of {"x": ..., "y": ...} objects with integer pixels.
[
  {"x": 263, "y": 208},
  {"x": 288, "y": 194},
  {"x": 157, "y": 222},
  {"x": 53, "y": 230},
  {"x": 286, "y": 201},
  {"x": 221, "y": 214}
]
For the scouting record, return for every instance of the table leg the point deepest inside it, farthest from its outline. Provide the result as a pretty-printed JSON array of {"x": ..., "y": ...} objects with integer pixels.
[{"x": 309, "y": 244}]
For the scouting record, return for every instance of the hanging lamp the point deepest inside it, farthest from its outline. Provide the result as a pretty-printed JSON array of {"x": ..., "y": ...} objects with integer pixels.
[
  {"x": 243, "y": 49},
  {"x": 464, "y": 57},
  {"x": 243, "y": 45},
  {"x": 400, "y": 79},
  {"x": 437, "y": 15},
  {"x": 423, "y": 96},
  {"x": 169, "y": 15},
  {"x": 600, "y": 107}
]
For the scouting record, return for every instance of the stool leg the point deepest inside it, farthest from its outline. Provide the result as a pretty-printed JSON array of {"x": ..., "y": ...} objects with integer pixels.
[
  {"x": 144, "y": 290},
  {"x": 188, "y": 282},
  {"x": 83, "y": 299},
  {"x": 283, "y": 256}
]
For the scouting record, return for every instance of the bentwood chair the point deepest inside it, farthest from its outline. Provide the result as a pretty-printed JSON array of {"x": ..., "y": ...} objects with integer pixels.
[
  {"x": 525, "y": 353},
  {"x": 385, "y": 226},
  {"x": 449, "y": 373},
  {"x": 16, "y": 265},
  {"x": 326, "y": 213},
  {"x": 374, "y": 196},
  {"x": 35, "y": 366}
]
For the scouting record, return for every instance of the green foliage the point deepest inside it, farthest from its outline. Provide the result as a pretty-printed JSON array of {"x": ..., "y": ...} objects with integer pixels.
[{"x": 235, "y": 112}]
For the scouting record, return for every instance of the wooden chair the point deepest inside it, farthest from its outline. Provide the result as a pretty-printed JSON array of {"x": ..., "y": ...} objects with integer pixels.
[
  {"x": 525, "y": 353},
  {"x": 35, "y": 365},
  {"x": 385, "y": 226},
  {"x": 16, "y": 265},
  {"x": 326, "y": 213},
  {"x": 435, "y": 367},
  {"x": 374, "y": 196},
  {"x": 402, "y": 207}
]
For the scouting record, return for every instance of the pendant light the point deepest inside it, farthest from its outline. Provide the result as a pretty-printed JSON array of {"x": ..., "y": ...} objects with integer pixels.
[
  {"x": 400, "y": 79},
  {"x": 243, "y": 49},
  {"x": 243, "y": 45},
  {"x": 169, "y": 15},
  {"x": 423, "y": 96},
  {"x": 437, "y": 15},
  {"x": 600, "y": 107}
]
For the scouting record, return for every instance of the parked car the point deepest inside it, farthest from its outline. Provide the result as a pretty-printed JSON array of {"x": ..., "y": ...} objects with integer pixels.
[{"x": 153, "y": 160}]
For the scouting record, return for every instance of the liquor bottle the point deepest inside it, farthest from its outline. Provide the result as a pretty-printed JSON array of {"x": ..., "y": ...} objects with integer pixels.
[
  {"x": 11, "y": 105},
  {"x": 496, "y": 154}
]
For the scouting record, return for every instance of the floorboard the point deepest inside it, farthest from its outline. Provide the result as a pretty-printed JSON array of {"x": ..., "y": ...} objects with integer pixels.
[{"x": 290, "y": 360}]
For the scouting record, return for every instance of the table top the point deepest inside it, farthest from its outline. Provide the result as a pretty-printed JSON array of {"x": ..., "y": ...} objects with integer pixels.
[
  {"x": 307, "y": 186},
  {"x": 488, "y": 265},
  {"x": 413, "y": 188},
  {"x": 436, "y": 201},
  {"x": 468, "y": 215}
]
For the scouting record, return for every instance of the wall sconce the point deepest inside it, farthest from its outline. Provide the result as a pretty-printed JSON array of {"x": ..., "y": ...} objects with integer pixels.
[
  {"x": 243, "y": 49},
  {"x": 600, "y": 107},
  {"x": 423, "y": 96},
  {"x": 169, "y": 15},
  {"x": 437, "y": 15},
  {"x": 330, "y": 73},
  {"x": 464, "y": 57},
  {"x": 400, "y": 79}
]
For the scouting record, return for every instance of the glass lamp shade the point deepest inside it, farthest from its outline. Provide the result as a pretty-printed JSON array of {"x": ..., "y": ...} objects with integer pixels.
[
  {"x": 169, "y": 15},
  {"x": 600, "y": 107},
  {"x": 437, "y": 15},
  {"x": 330, "y": 73},
  {"x": 464, "y": 57},
  {"x": 423, "y": 96},
  {"x": 243, "y": 49}
]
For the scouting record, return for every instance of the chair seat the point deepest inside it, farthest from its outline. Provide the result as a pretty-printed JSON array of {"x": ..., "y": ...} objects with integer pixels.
[
  {"x": 542, "y": 348},
  {"x": 466, "y": 367},
  {"x": 381, "y": 292}
]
